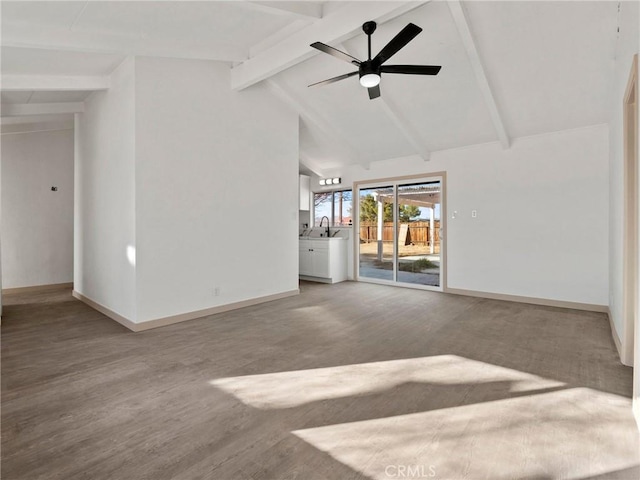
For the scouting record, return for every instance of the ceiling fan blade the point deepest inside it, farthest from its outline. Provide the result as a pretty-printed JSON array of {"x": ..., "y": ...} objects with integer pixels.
[
  {"x": 407, "y": 34},
  {"x": 411, "y": 69},
  {"x": 334, "y": 79},
  {"x": 335, "y": 53},
  {"x": 374, "y": 92}
]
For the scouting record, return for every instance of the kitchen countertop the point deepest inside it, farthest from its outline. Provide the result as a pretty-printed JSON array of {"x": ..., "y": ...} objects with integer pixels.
[{"x": 322, "y": 238}]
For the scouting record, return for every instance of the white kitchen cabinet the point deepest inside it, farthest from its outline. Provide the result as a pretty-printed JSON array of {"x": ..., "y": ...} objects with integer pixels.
[
  {"x": 305, "y": 192},
  {"x": 323, "y": 259},
  {"x": 305, "y": 258}
]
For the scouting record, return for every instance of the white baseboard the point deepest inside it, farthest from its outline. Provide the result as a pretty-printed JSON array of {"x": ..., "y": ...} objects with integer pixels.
[
  {"x": 589, "y": 307},
  {"x": 38, "y": 288},
  {"x": 106, "y": 311},
  {"x": 617, "y": 341},
  {"x": 314, "y": 279},
  {"x": 183, "y": 317}
]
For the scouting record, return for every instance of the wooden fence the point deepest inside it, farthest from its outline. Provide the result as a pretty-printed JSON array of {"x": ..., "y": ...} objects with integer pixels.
[{"x": 418, "y": 232}]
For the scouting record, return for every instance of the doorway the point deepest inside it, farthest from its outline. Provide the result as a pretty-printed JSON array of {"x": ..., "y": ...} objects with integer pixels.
[{"x": 400, "y": 225}]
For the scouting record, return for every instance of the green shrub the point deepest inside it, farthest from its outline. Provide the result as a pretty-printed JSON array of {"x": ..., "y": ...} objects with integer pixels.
[{"x": 415, "y": 266}]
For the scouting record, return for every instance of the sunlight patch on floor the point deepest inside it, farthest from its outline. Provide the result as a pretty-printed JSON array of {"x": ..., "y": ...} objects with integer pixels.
[
  {"x": 570, "y": 434},
  {"x": 295, "y": 388}
]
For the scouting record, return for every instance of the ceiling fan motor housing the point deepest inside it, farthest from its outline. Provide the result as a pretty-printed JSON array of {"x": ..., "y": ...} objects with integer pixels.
[{"x": 367, "y": 67}]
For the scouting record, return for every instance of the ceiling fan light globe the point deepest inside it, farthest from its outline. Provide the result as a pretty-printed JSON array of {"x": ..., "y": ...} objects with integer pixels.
[{"x": 370, "y": 80}]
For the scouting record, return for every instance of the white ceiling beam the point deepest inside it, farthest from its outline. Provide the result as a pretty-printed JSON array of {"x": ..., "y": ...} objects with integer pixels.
[
  {"x": 36, "y": 119},
  {"x": 20, "y": 109},
  {"x": 301, "y": 9},
  {"x": 15, "y": 129},
  {"x": 337, "y": 26},
  {"x": 277, "y": 37},
  {"x": 53, "y": 82},
  {"x": 22, "y": 36},
  {"x": 313, "y": 117},
  {"x": 311, "y": 164},
  {"x": 460, "y": 19}
]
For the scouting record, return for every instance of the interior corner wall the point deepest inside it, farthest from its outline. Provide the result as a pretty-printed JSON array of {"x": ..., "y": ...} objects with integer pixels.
[
  {"x": 627, "y": 46},
  {"x": 542, "y": 214},
  {"x": 104, "y": 254},
  {"x": 216, "y": 189},
  {"x": 37, "y": 228}
]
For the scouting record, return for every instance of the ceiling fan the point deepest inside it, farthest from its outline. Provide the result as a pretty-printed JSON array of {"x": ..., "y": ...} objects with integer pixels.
[{"x": 371, "y": 69}]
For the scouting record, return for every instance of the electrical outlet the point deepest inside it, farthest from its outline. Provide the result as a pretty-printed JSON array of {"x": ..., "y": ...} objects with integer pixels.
[
  {"x": 474, "y": 213},
  {"x": 216, "y": 292}
]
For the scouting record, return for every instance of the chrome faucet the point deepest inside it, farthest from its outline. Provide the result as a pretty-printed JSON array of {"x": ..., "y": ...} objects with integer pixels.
[{"x": 322, "y": 220}]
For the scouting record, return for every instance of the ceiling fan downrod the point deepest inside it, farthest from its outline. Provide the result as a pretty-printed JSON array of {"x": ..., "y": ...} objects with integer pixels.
[{"x": 369, "y": 28}]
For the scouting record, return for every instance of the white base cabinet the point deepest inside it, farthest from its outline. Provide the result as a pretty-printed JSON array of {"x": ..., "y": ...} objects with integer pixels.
[{"x": 323, "y": 259}]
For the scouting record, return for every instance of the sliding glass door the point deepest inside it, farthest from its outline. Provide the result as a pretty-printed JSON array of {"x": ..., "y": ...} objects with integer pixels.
[
  {"x": 400, "y": 232},
  {"x": 377, "y": 249}
]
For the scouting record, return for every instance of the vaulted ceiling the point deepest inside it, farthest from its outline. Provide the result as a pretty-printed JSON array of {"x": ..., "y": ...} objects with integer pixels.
[{"x": 509, "y": 69}]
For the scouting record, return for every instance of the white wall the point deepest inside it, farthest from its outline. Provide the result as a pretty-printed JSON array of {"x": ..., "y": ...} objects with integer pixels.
[
  {"x": 37, "y": 223},
  {"x": 542, "y": 206},
  {"x": 0, "y": 231},
  {"x": 105, "y": 195},
  {"x": 304, "y": 217},
  {"x": 627, "y": 46},
  {"x": 216, "y": 189}
]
